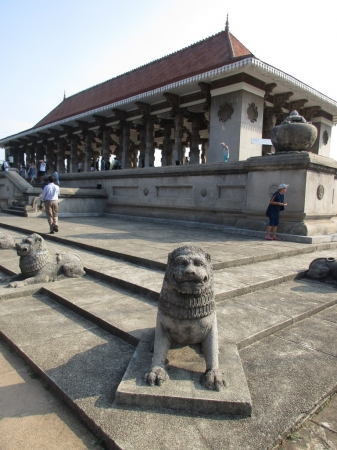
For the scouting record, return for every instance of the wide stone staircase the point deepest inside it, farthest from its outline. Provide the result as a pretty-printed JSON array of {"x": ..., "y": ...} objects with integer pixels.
[{"x": 277, "y": 334}]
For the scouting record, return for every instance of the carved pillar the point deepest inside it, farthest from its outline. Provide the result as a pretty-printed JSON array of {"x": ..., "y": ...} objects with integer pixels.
[
  {"x": 15, "y": 155},
  {"x": 149, "y": 149},
  {"x": 40, "y": 153},
  {"x": 60, "y": 156},
  {"x": 126, "y": 146},
  {"x": 31, "y": 153},
  {"x": 106, "y": 144},
  {"x": 142, "y": 146},
  {"x": 72, "y": 167},
  {"x": 166, "y": 159},
  {"x": 50, "y": 156},
  {"x": 204, "y": 147},
  {"x": 133, "y": 155},
  {"x": 88, "y": 151},
  {"x": 195, "y": 140},
  {"x": 177, "y": 155}
]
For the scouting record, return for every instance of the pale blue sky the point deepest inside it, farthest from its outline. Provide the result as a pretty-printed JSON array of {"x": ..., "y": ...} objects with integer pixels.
[{"x": 52, "y": 46}]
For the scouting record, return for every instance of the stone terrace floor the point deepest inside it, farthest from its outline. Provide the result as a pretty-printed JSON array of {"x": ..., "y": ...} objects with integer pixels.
[{"x": 242, "y": 264}]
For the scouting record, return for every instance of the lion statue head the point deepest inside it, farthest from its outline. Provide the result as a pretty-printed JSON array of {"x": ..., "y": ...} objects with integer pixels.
[
  {"x": 187, "y": 290},
  {"x": 33, "y": 253}
]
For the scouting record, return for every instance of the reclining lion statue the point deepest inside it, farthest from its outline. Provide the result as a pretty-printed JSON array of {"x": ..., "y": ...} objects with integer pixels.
[
  {"x": 38, "y": 266},
  {"x": 186, "y": 314},
  {"x": 323, "y": 269}
]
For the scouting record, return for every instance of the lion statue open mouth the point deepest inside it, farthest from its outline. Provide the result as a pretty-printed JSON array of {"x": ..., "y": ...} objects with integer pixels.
[
  {"x": 38, "y": 266},
  {"x": 186, "y": 314}
]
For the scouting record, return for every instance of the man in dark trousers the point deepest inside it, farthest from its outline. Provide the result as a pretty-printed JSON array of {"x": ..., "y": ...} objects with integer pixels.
[{"x": 50, "y": 197}]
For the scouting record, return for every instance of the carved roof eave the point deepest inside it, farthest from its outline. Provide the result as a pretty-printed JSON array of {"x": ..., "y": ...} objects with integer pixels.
[{"x": 250, "y": 65}]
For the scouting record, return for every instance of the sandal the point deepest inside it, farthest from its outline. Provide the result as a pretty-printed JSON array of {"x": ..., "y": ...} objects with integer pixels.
[
  {"x": 276, "y": 239},
  {"x": 268, "y": 238}
]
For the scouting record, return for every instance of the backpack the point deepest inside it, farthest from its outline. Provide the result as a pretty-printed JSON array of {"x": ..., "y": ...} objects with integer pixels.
[{"x": 3, "y": 167}]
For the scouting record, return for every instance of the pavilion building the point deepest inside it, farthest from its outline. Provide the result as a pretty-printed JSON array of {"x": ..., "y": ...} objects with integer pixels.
[{"x": 212, "y": 91}]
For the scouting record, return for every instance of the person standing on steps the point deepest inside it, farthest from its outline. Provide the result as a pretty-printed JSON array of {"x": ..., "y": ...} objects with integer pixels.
[
  {"x": 276, "y": 205},
  {"x": 50, "y": 197}
]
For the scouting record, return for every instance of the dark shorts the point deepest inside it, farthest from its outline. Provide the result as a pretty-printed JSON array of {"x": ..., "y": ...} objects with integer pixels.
[
  {"x": 274, "y": 221},
  {"x": 42, "y": 173}
]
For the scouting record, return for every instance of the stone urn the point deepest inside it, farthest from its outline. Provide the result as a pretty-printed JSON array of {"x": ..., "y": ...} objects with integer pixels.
[{"x": 294, "y": 134}]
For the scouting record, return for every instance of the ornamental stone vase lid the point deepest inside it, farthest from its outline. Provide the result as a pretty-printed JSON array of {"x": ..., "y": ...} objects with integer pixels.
[{"x": 294, "y": 134}]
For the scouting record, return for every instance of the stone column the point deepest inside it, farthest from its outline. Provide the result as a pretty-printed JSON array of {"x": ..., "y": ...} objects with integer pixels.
[
  {"x": 50, "y": 157},
  {"x": 15, "y": 154},
  {"x": 31, "y": 154},
  {"x": 166, "y": 159},
  {"x": 126, "y": 146},
  {"x": 106, "y": 144},
  {"x": 142, "y": 146},
  {"x": 195, "y": 141},
  {"x": 72, "y": 167},
  {"x": 177, "y": 155},
  {"x": 40, "y": 153},
  {"x": 149, "y": 149},
  {"x": 89, "y": 152},
  {"x": 60, "y": 156},
  {"x": 204, "y": 147}
]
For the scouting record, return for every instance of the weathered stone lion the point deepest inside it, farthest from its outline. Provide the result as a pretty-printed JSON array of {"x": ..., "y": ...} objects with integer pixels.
[
  {"x": 37, "y": 266},
  {"x": 6, "y": 241},
  {"x": 186, "y": 314},
  {"x": 323, "y": 269}
]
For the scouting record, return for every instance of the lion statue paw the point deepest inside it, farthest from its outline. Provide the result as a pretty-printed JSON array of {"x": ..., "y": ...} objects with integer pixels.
[
  {"x": 156, "y": 376},
  {"x": 213, "y": 380}
]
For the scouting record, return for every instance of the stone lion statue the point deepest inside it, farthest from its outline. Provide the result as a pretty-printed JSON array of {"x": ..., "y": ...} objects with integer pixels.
[
  {"x": 323, "y": 268},
  {"x": 37, "y": 266},
  {"x": 6, "y": 241},
  {"x": 186, "y": 314}
]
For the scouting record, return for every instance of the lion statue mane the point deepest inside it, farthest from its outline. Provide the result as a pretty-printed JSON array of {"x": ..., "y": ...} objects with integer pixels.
[
  {"x": 186, "y": 314},
  {"x": 38, "y": 266}
]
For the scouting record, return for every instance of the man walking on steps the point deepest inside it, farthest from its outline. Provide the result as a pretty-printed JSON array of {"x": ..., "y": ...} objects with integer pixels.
[{"x": 50, "y": 197}]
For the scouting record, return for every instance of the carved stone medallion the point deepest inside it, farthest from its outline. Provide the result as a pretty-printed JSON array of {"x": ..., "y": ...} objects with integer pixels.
[
  {"x": 252, "y": 112},
  {"x": 325, "y": 137},
  {"x": 320, "y": 192},
  {"x": 203, "y": 192},
  {"x": 145, "y": 191},
  {"x": 225, "y": 112}
]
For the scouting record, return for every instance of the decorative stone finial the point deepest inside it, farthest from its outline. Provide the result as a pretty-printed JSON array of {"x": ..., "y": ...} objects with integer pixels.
[
  {"x": 64, "y": 95},
  {"x": 227, "y": 24}
]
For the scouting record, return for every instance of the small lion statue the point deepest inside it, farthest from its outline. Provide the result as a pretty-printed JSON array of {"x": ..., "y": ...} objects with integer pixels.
[
  {"x": 186, "y": 314},
  {"x": 6, "y": 241},
  {"x": 37, "y": 266}
]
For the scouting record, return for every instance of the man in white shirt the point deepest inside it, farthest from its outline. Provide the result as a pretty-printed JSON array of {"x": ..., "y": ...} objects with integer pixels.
[
  {"x": 6, "y": 165},
  {"x": 50, "y": 197}
]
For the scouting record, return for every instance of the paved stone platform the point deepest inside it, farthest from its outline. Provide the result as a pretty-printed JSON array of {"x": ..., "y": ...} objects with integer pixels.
[{"x": 81, "y": 334}]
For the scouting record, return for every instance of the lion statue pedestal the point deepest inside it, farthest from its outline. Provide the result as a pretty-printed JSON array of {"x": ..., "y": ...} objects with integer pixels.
[{"x": 185, "y": 340}]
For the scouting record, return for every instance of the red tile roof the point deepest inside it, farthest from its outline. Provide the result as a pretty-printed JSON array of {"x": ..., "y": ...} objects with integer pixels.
[{"x": 213, "y": 52}]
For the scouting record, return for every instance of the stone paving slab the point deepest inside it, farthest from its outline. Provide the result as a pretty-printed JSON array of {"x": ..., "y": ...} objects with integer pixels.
[{"x": 31, "y": 417}]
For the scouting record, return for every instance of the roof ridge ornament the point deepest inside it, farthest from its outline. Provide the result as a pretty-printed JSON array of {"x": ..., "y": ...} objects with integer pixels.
[{"x": 227, "y": 24}]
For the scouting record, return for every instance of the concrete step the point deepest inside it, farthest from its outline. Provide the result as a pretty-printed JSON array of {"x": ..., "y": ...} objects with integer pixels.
[{"x": 15, "y": 211}]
